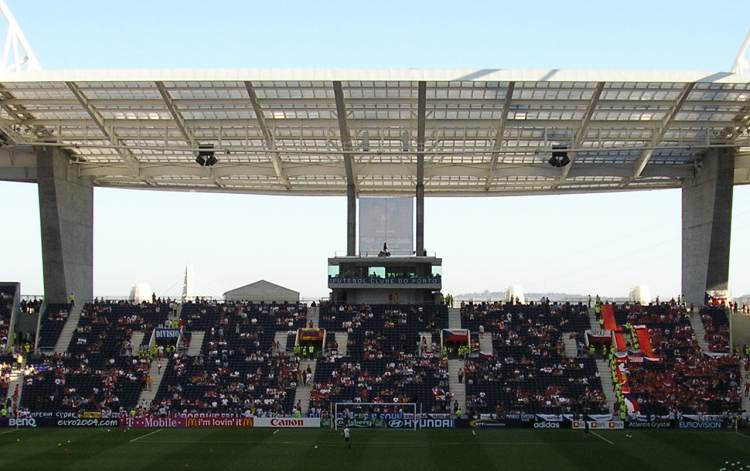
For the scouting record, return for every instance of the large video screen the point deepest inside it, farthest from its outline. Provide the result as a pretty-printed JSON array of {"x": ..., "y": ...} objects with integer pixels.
[{"x": 386, "y": 220}]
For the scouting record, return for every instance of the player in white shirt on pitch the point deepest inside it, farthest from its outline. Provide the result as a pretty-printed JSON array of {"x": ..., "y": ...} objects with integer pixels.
[{"x": 347, "y": 437}]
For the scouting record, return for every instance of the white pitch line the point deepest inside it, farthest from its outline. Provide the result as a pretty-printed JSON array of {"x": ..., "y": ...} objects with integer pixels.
[
  {"x": 275, "y": 432},
  {"x": 602, "y": 438},
  {"x": 9, "y": 431},
  {"x": 146, "y": 435}
]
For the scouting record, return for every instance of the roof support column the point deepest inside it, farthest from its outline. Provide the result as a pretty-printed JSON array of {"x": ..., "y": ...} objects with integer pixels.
[
  {"x": 66, "y": 212},
  {"x": 351, "y": 220},
  {"x": 421, "y": 116},
  {"x": 706, "y": 226},
  {"x": 420, "y": 220}
]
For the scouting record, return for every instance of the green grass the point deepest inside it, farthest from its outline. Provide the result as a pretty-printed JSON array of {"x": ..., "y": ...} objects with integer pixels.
[{"x": 455, "y": 450}]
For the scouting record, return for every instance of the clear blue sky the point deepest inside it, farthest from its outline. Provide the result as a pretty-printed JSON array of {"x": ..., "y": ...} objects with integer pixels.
[{"x": 613, "y": 241}]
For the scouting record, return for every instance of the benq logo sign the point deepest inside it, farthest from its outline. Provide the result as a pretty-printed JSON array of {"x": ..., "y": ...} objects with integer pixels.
[
  {"x": 546, "y": 425},
  {"x": 25, "y": 422}
]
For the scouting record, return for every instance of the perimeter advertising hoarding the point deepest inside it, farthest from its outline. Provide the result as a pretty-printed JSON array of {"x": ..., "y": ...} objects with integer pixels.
[
  {"x": 74, "y": 422},
  {"x": 190, "y": 421},
  {"x": 386, "y": 220}
]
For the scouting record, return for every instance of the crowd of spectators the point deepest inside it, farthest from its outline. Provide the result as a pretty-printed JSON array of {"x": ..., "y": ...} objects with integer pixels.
[
  {"x": 682, "y": 378},
  {"x": 716, "y": 324},
  {"x": 73, "y": 383},
  {"x": 403, "y": 378},
  {"x": 240, "y": 368},
  {"x": 528, "y": 371},
  {"x": 7, "y": 297}
]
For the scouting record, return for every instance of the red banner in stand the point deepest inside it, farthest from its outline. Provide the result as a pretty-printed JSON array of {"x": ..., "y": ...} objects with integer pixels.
[
  {"x": 608, "y": 314},
  {"x": 620, "y": 342},
  {"x": 644, "y": 341}
]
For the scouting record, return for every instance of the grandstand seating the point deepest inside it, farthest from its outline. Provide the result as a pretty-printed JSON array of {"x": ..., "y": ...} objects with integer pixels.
[
  {"x": 237, "y": 369},
  {"x": 383, "y": 362},
  {"x": 100, "y": 370},
  {"x": 716, "y": 323},
  {"x": 682, "y": 377},
  {"x": 527, "y": 372},
  {"x": 52, "y": 323},
  {"x": 7, "y": 296},
  {"x": 240, "y": 370}
]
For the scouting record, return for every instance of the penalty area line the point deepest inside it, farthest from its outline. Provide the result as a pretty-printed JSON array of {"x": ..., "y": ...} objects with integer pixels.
[
  {"x": 145, "y": 435},
  {"x": 602, "y": 438},
  {"x": 9, "y": 431}
]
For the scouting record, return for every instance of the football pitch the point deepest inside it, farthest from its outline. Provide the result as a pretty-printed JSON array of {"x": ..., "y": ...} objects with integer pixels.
[{"x": 285, "y": 449}]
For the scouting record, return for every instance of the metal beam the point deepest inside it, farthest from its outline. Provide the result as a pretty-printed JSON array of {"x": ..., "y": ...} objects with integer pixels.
[
  {"x": 176, "y": 115},
  {"x": 580, "y": 135},
  {"x": 499, "y": 136},
  {"x": 346, "y": 137},
  {"x": 180, "y": 121},
  {"x": 268, "y": 138},
  {"x": 109, "y": 134},
  {"x": 662, "y": 130},
  {"x": 222, "y": 170}
]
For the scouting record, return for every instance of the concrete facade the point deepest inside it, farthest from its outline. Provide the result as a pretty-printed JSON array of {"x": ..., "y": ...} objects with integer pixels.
[
  {"x": 66, "y": 212},
  {"x": 706, "y": 226}
]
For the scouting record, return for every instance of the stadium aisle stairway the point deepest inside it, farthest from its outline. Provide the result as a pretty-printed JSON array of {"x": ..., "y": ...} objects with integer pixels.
[
  {"x": 280, "y": 337},
  {"x": 458, "y": 389},
  {"x": 16, "y": 378},
  {"x": 148, "y": 395},
  {"x": 63, "y": 342},
  {"x": 454, "y": 318},
  {"x": 136, "y": 339},
  {"x": 593, "y": 322},
  {"x": 196, "y": 343},
  {"x": 700, "y": 331},
  {"x": 605, "y": 375},
  {"x": 302, "y": 393},
  {"x": 485, "y": 343},
  {"x": 427, "y": 336},
  {"x": 571, "y": 346},
  {"x": 745, "y": 399},
  {"x": 342, "y": 338},
  {"x": 313, "y": 316}
]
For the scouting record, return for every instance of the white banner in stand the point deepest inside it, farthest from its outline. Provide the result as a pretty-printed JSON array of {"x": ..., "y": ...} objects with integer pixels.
[{"x": 287, "y": 422}]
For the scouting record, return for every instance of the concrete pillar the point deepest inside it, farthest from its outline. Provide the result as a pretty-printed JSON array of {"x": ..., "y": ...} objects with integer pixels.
[
  {"x": 420, "y": 220},
  {"x": 706, "y": 226},
  {"x": 66, "y": 212},
  {"x": 351, "y": 220}
]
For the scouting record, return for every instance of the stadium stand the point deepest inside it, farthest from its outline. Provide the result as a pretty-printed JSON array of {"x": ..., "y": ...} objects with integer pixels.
[
  {"x": 7, "y": 297},
  {"x": 528, "y": 371},
  {"x": 53, "y": 321},
  {"x": 679, "y": 377},
  {"x": 716, "y": 324},
  {"x": 101, "y": 370},
  {"x": 239, "y": 369},
  {"x": 247, "y": 362},
  {"x": 386, "y": 359}
]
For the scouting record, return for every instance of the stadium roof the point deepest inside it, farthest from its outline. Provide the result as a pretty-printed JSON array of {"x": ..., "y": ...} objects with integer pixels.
[{"x": 308, "y": 132}]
